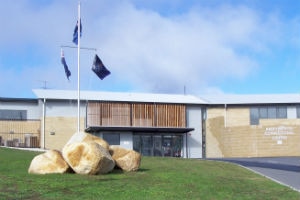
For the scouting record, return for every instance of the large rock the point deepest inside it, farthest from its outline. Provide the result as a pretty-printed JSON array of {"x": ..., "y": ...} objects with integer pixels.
[
  {"x": 86, "y": 137},
  {"x": 127, "y": 160},
  {"x": 88, "y": 158},
  {"x": 49, "y": 162}
]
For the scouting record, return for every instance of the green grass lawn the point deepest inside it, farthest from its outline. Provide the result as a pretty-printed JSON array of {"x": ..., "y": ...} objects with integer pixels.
[{"x": 158, "y": 178}]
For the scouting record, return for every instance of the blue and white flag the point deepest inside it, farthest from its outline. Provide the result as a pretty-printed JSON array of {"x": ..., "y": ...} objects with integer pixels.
[
  {"x": 99, "y": 68},
  {"x": 63, "y": 61},
  {"x": 75, "y": 34}
]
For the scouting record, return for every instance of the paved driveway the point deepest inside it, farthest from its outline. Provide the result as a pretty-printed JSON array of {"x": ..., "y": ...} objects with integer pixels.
[{"x": 285, "y": 170}]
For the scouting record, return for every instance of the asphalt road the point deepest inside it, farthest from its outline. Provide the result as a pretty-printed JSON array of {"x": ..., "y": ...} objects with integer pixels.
[{"x": 285, "y": 170}]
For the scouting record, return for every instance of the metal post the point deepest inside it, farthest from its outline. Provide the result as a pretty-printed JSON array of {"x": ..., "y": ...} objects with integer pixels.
[{"x": 78, "y": 71}]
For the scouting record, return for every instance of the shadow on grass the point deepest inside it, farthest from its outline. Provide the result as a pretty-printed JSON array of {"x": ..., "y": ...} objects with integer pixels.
[
  {"x": 143, "y": 170},
  {"x": 120, "y": 171}
]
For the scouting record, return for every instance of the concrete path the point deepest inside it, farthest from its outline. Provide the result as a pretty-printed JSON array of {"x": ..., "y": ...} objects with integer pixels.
[{"x": 284, "y": 170}]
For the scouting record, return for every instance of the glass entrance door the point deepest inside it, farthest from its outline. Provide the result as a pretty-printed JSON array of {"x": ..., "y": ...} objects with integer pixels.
[
  {"x": 166, "y": 145},
  {"x": 172, "y": 145},
  {"x": 177, "y": 142},
  {"x": 146, "y": 142},
  {"x": 157, "y": 145}
]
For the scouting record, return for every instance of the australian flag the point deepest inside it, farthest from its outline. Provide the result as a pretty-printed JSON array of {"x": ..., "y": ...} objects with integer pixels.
[
  {"x": 75, "y": 34},
  {"x": 99, "y": 68},
  {"x": 63, "y": 61}
]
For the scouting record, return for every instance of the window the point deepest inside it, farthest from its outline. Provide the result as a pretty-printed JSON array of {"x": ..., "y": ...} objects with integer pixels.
[
  {"x": 112, "y": 138},
  {"x": 263, "y": 112},
  {"x": 267, "y": 112},
  {"x": 162, "y": 145},
  {"x": 13, "y": 114},
  {"x": 298, "y": 111},
  {"x": 272, "y": 113},
  {"x": 282, "y": 112},
  {"x": 254, "y": 116}
]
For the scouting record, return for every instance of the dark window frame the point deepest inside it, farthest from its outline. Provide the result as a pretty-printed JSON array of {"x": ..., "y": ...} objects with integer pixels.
[
  {"x": 298, "y": 111},
  {"x": 111, "y": 138},
  {"x": 267, "y": 112},
  {"x": 8, "y": 114}
]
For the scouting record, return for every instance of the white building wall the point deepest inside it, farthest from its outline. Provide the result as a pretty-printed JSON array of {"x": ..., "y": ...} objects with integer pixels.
[
  {"x": 126, "y": 140},
  {"x": 193, "y": 139},
  {"x": 67, "y": 108},
  {"x": 31, "y": 107},
  {"x": 291, "y": 112}
]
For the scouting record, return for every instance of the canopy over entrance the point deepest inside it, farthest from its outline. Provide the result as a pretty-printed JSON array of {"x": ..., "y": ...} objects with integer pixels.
[{"x": 92, "y": 129}]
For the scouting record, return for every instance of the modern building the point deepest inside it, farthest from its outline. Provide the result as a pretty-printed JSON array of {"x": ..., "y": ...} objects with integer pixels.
[
  {"x": 253, "y": 125},
  {"x": 158, "y": 124}
]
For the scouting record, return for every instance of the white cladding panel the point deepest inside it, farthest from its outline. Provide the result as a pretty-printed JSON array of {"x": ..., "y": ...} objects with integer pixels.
[
  {"x": 291, "y": 112},
  {"x": 32, "y": 108},
  {"x": 194, "y": 138},
  {"x": 126, "y": 140},
  {"x": 64, "y": 108}
]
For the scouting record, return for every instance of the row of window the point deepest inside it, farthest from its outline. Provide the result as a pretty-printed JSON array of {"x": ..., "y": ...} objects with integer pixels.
[
  {"x": 13, "y": 114},
  {"x": 269, "y": 112}
]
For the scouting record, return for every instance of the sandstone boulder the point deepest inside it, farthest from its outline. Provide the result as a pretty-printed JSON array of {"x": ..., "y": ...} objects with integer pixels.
[
  {"x": 49, "y": 162},
  {"x": 127, "y": 160},
  {"x": 88, "y": 158},
  {"x": 86, "y": 137}
]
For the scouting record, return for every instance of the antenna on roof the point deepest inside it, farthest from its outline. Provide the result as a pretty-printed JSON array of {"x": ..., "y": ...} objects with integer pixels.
[
  {"x": 184, "y": 90},
  {"x": 44, "y": 84}
]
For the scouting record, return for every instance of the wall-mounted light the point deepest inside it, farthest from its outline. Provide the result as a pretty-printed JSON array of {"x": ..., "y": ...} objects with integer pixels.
[
  {"x": 52, "y": 133},
  {"x": 11, "y": 132}
]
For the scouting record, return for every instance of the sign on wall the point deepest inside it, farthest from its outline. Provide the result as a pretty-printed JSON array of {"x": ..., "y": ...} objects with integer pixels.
[{"x": 279, "y": 133}]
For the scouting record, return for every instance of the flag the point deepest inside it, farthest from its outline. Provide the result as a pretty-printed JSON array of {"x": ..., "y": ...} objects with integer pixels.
[
  {"x": 63, "y": 61},
  {"x": 99, "y": 68},
  {"x": 75, "y": 34}
]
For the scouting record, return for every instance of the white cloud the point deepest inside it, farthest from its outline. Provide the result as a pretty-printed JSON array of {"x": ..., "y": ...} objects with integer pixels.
[
  {"x": 165, "y": 53},
  {"x": 145, "y": 50}
]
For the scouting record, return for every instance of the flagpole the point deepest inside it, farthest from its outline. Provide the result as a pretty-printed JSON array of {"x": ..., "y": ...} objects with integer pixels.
[
  {"x": 75, "y": 47},
  {"x": 78, "y": 70}
]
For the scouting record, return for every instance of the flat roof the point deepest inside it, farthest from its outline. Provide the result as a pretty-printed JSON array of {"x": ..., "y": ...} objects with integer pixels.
[
  {"x": 251, "y": 98},
  {"x": 233, "y": 99},
  {"x": 117, "y": 96}
]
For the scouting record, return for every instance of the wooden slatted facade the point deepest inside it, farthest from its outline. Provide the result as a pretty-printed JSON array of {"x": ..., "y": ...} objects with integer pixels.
[
  {"x": 136, "y": 114},
  {"x": 170, "y": 115},
  {"x": 143, "y": 115}
]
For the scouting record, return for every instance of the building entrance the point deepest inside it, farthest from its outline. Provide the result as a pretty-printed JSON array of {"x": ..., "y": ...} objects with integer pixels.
[{"x": 164, "y": 145}]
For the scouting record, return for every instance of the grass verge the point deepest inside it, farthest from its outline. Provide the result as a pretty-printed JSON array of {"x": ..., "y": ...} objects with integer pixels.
[{"x": 158, "y": 178}]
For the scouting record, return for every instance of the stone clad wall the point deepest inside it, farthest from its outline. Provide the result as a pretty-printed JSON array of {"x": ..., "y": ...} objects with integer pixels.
[
  {"x": 272, "y": 137},
  {"x": 58, "y": 131},
  {"x": 20, "y": 133}
]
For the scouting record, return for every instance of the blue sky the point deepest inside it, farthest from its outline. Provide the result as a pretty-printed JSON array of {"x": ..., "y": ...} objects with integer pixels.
[{"x": 159, "y": 46}]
